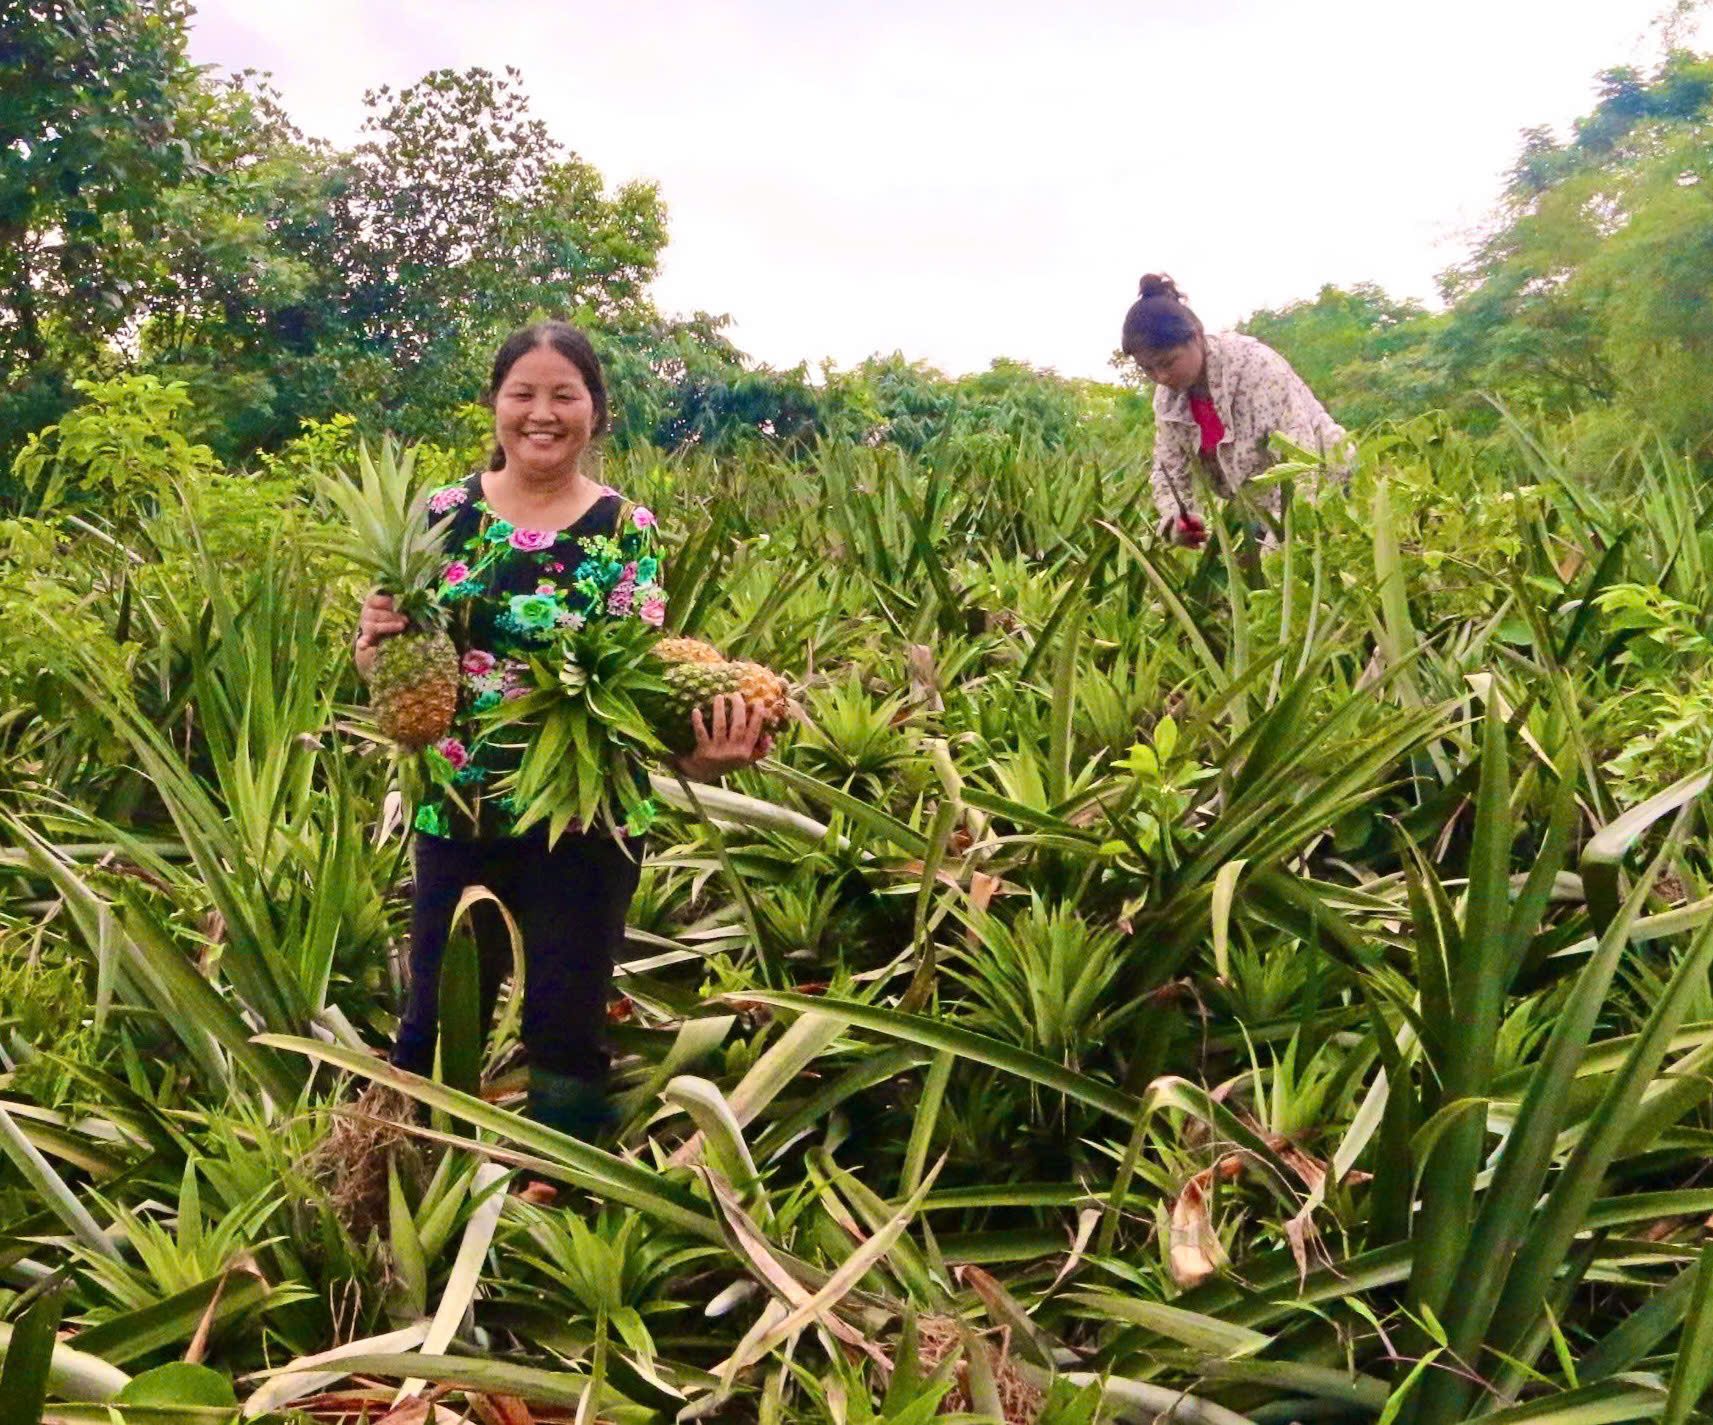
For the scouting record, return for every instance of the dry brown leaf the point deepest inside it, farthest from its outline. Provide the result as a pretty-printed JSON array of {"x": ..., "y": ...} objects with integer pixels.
[
  {"x": 943, "y": 876},
  {"x": 339, "y": 1406},
  {"x": 199, "y": 1339},
  {"x": 537, "y": 1193},
  {"x": 939, "y": 1336},
  {"x": 924, "y": 676},
  {"x": 1087, "y": 1220},
  {"x": 1195, "y": 1251},
  {"x": 351, "y": 1161},
  {"x": 501, "y": 1410},
  {"x": 767, "y": 1268},
  {"x": 1311, "y": 1170},
  {"x": 214, "y": 932},
  {"x": 1302, "y": 1234}
]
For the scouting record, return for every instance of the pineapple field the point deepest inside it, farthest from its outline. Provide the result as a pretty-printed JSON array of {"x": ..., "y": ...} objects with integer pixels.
[
  {"x": 1257, "y": 984},
  {"x": 1264, "y": 984}
]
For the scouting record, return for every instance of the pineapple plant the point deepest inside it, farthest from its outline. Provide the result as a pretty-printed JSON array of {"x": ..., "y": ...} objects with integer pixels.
[
  {"x": 413, "y": 681},
  {"x": 611, "y": 688}
]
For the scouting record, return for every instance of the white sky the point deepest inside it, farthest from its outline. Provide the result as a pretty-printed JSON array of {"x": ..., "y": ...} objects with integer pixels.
[{"x": 966, "y": 179}]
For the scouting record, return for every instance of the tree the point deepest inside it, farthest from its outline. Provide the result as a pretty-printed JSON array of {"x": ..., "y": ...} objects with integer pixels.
[
  {"x": 463, "y": 217},
  {"x": 91, "y": 107},
  {"x": 155, "y": 219},
  {"x": 1006, "y": 408},
  {"x": 299, "y": 281},
  {"x": 249, "y": 302},
  {"x": 1592, "y": 284},
  {"x": 684, "y": 383},
  {"x": 1335, "y": 340}
]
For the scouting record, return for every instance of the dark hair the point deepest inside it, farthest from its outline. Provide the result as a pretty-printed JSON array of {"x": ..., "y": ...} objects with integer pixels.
[
  {"x": 1159, "y": 319},
  {"x": 570, "y": 343}
]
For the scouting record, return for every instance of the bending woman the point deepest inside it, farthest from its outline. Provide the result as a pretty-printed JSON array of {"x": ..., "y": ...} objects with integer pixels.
[
  {"x": 1218, "y": 399},
  {"x": 520, "y": 533}
]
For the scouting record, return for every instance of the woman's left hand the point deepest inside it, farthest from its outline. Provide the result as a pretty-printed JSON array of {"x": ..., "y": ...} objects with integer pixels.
[{"x": 735, "y": 739}]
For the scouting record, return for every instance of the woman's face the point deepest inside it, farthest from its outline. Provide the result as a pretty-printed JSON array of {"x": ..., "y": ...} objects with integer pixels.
[
  {"x": 1177, "y": 367},
  {"x": 544, "y": 416}
]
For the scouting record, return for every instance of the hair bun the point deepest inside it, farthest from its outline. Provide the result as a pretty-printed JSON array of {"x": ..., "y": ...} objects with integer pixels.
[{"x": 1157, "y": 284}]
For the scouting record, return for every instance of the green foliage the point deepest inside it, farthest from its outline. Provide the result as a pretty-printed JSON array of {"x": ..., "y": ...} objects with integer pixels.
[
  {"x": 48, "y": 1002},
  {"x": 281, "y": 279},
  {"x": 121, "y": 451},
  {"x": 1363, "y": 353},
  {"x": 688, "y": 386},
  {"x": 975, "y": 417},
  {"x": 619, "y": 1269},
  {"x": 1587, "y": 291},
  {"x": 1591, "y": 284},
  {"x": 77, "y": 209},
  {"x": 285, "y": 282},
  {"x": 461, "y": 217},
  {"x": 52, "y": 638},
  {"x": 1043, "y": 980},
  {"x": 180, "y": 1383},
  {"x": 1098, "y": 892}
]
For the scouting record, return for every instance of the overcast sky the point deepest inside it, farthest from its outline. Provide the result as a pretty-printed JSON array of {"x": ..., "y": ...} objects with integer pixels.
[{"x": 960, "y": 181}]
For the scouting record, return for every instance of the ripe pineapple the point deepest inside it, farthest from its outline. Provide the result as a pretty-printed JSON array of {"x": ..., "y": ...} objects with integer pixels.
[
  {"x": 413, "y": 681},
  {"x": 694, "y": 680},
  {"x": 413, "y": 685},
  {"x": 686, "y": 650},
  {"x": 764, "y": 688}
]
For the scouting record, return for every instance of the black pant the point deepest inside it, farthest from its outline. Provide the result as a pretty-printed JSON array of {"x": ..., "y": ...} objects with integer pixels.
[{"x": 569, "y": 903}]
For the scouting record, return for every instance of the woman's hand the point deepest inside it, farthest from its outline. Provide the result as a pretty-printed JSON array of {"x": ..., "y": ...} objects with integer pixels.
[
  {"x": 1186, "y": 530},
  {"x": 377, "y": 621},
  {"x": 736, "y": 739}
]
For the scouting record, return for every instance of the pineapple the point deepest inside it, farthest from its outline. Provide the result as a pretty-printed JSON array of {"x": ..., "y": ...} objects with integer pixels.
[
  {"x": 762, "y": 687},
  {"x": 694, "y": 680},
  {"x": 413, "y": 681},
  {"x": 686, "y": 650}
]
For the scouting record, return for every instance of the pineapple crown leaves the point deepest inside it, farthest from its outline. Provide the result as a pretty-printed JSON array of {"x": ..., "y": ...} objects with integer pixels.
[
  {"x": 601, "y": 664},
  {"x": 388, "y": 532}
]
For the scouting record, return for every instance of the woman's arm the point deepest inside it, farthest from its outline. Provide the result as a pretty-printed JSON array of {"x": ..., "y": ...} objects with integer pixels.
[{"x": 1174, "y": 493}]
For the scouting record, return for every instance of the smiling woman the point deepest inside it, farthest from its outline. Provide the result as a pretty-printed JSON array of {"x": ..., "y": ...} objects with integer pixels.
[
  {"x": 534, "y": 546},
  {"x": 551, "y": 403}
]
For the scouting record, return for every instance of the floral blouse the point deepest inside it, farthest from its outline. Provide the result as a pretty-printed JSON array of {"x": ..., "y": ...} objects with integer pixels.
[
  {"x": 508, "y": 591},
  {"x": 1255, "y": 395}
]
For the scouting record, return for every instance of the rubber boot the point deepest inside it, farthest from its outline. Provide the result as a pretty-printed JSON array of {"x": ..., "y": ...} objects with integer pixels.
[{"x": 572, "y": 1106}]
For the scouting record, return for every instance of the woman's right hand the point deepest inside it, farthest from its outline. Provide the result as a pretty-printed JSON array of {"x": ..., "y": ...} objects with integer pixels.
[
  {"x": 734, "y": 736},
  {"x": 377, "y": 621},
  {"x": 1186, "y": 530}
]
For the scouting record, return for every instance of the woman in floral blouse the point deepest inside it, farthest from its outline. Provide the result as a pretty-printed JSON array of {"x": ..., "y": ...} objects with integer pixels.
[
  {"x": 1218, "y": 400},
  {"x": 534, "y": 545}
]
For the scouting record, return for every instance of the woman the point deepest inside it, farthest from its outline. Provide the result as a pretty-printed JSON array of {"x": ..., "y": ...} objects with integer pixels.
[
  {"x": 519, "y": 533},
  {"x": 1217, "y": 401}
]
